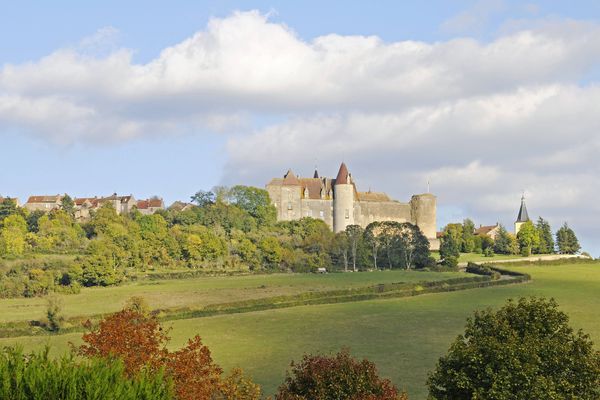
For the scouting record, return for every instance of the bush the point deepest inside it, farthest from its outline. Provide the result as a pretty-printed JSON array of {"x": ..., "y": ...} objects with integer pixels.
[
  {"x": 54, "y": 315},
  {"x": 477, "y": 269},
  {"x": 36, "y": 376},
  {"x": 525, "y": 350},
  {"x": 450, "y": 262},
  {"x": 339, "y": 377}
]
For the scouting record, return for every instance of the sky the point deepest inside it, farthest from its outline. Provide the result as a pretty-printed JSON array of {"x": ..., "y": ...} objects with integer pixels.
[{"x": 485, "y": 100}]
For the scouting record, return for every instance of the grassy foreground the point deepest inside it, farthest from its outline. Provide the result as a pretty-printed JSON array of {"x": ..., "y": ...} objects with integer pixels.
[{"x": 404, "y": 337}]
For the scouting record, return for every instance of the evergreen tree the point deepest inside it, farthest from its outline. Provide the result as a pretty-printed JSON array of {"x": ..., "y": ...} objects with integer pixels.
[
  {"x": 449, "y": 250},
  {"x": 566, "y": 240},
  {"x": 546, "y": 245},
  {"x": 502, "y": 244}
]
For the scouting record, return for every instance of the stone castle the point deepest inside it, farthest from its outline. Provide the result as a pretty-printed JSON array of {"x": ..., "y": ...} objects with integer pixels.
[{"x": 339, "y": 203}]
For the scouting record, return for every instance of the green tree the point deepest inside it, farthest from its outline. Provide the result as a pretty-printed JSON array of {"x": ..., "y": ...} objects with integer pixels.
[
  {"x": 546, "y": 245},
  {"x": 8, "y": 207},
  {"x": 255, "y": 202},
  {"x": 68, "y": 205},
  {"x": 449, "y": 249},
  {"x": 505, "y": 243},
  {"x": 58, "y": 233},
  {"x": 525, "y": 350},
  {"x": 203, "y": 198},
  {"x": 456, "y": 231},
  {"x": 355, "y": 236},
  {"x": 13, "y": 235},
  {"x": 372, "y": 241},
  {"x": 567, "y": 241},
  {"x": 468, "y": 236},
  {"x": 272, "y": 251},
  {"x": 528, "y": 237}
]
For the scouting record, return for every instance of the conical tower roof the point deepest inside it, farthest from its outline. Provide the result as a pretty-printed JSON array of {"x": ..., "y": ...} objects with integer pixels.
[
  {"x": 290, "y": 179},
  {"x": 343, "y": 176},
  {"x": 316, "y": 174},
  {"x": 523, "y": 215}
]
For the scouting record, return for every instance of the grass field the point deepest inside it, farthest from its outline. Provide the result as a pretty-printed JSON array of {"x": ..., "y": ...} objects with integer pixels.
[
  {"x": 198, "y": 292},
  {"x": 404, "y": 337}
]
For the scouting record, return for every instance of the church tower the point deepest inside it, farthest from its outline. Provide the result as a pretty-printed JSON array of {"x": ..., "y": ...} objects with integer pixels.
[
  {"x": 522, "y": 217},
  {"x": 343, "y": 200}
]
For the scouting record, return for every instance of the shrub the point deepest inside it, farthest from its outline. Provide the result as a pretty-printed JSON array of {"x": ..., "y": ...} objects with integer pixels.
[
  {"x": 525, "y": 350},
  {"x": 54, "y": 316},
  {"x": 37, "y": 376},
  {"x": 339, "y": 377}
]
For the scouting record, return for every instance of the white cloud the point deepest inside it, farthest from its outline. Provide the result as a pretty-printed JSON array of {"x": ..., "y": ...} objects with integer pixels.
[{"x": 482, "y": 121}]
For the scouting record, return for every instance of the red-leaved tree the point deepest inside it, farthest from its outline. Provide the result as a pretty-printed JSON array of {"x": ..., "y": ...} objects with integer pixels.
[
  {"x": 140, "y": 341},
  {"x": 339, "y": 377}
]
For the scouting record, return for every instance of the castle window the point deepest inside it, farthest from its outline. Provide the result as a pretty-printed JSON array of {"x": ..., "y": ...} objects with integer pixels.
[
  {"x": 289, "y": 205},
  {"x": 321, "y": 214},
  {"x": 347, "y": 214}
]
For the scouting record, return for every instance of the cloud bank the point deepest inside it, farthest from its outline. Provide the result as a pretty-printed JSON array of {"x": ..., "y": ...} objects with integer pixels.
[{"x": 481, "y": 120}]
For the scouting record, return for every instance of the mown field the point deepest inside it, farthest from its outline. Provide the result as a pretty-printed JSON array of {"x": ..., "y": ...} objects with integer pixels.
[
  {"x": 404, "y": 337},
  {"x": 198, "y": 292}
]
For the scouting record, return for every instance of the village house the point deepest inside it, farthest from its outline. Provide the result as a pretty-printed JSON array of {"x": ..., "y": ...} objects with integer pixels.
[
  {"x": 490, "y": 231},
  {"x": 150, "y": 206},
  {"x": 44, "y": 203}
]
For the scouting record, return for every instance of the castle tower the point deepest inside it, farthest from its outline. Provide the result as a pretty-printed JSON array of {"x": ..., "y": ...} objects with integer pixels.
[
  {"x": 423, "y": 213},
  {"x": 522, "y": 217},
  {"x": 343, "y": 200}
]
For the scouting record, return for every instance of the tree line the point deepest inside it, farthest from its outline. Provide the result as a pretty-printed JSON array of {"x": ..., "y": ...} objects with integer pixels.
[
  {"x": 531, "y": 239},
  {"x": 228, "y": 229}
]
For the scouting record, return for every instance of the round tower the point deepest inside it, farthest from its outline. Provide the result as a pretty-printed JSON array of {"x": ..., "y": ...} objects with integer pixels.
[
  {"x": 343, "y": 200},
  {"x": 423, "y": 210}
]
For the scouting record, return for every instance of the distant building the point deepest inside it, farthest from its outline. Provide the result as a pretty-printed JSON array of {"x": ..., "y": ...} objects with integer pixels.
[
  {"x": 150, "y": 206},
  {"x": 181, "y": 206},
  {"x": 339, "y": 203},
  {"x": 44, "y": 203},
  {"x": 85, "y": 205},
  {"x": 490, "y": 231},
  {"x": 522, "y": 217},
  {"x": 122, "y": 204}
]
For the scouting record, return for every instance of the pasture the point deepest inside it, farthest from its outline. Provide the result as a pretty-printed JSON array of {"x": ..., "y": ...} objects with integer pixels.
[{"x": 404, "y": 337}]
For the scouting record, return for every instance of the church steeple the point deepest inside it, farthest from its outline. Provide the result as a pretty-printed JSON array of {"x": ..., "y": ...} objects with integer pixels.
[{"x": 523, "y": 216}]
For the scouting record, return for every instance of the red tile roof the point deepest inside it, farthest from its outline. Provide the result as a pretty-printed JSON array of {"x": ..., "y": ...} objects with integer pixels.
[
  {"x": 44, "y": 199},
  {"x": 343, "y": 175},
  {"x": 484, "y": 230}
]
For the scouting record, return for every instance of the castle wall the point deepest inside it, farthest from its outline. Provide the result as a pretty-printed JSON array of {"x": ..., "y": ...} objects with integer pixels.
[
  {"x": 371, "y": 211},
  {"x": 318, "y": 209},
  {"x": 288, "y": 202},
  {"x": 343, "y": 207}
]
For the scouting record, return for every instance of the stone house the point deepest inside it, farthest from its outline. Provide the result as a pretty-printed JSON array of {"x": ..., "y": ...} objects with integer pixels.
[
  {"x": 43, "y": 203},
  {"x": 490, "y": 231},
  {"x": 150, "y": 206}
]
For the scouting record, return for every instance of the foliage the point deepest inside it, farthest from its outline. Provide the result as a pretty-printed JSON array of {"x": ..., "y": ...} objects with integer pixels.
[
  {"x": 140, "y": 342},
  {"x": 546, "y": 245},
  {"x": 338, "y": 377},
  {"x": 524, "y": 350},
  {"x": 528, "y": 237},
  {"x": 468, "y": 236},
  {"x": 54, "y": 316},
  {"x": 402, "y": 244},
  {"x": 37, "y": 376},
  {"x": 449, "y": 249},
  {"x": 505, "y": 242},
  {"x": 566, "y": 241}
]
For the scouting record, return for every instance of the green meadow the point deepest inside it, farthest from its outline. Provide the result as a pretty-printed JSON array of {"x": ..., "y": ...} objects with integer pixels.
[{"x": 404, "y": 336}]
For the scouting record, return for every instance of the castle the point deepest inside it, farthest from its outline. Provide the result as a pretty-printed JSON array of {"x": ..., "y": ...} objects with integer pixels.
[{"x": 339, "y": 203}]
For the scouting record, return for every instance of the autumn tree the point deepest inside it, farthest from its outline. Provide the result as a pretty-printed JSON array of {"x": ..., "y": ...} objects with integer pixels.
[
  {"x": 140, "y": 342},
  {"x": 525, "y": 350},
  {"x": 339, "y": 377}
]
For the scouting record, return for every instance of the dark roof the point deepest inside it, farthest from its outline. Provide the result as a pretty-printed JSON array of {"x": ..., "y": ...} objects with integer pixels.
[
  {"x": 314, "y": 186},
  {"x": 289, "y": 179},
  {"x": 343, "y": 175},
  {"x": 316, "y": 174},
  {"x": 523, "y": 215}
]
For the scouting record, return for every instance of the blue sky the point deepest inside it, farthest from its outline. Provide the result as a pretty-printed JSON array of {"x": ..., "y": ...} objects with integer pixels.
[{"x": 476, "y": 96}]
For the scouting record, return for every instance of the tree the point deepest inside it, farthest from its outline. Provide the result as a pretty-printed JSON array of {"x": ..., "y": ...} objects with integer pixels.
[
  {"x": 449, "y": 249},
  {"x": 354, "y": 234},
  {"x": 339, "y": 377},
  {"x": 8, "y": 207},
  {"x": 203, "y": 198},
  {"x": 456, "y": 231},
  {"x": 340, "y": 248},
  {"x": 12, "y": 236},
  {"x": 567, "y": 241},
  {"x": 255, "y": 202},
  {"x": 413, "y": 246},
  {"x": 528, "y": 238},
  {"x": 505, "y": 243},
  {"x": 546, "y": 245},
  {"x": 525, "y": 350},
  {"x": 371, "y": 233},
  {"x": 468, "y": 236},
  {"x": 68, "y": 205},
  {"x": 141, "y": 343}
]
